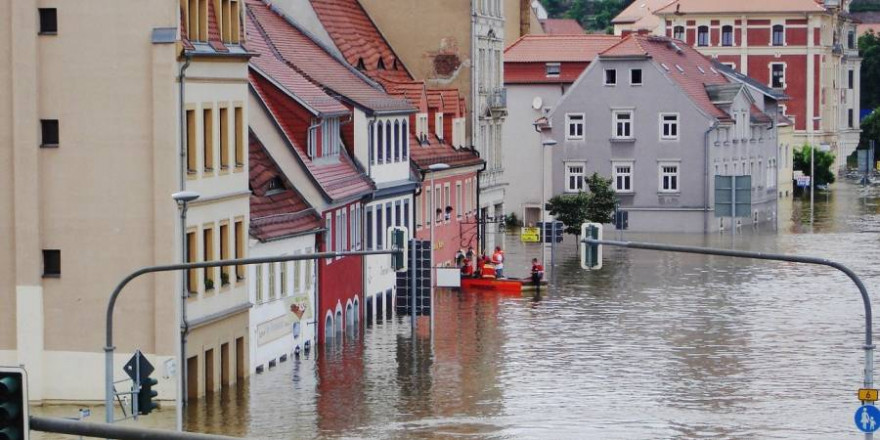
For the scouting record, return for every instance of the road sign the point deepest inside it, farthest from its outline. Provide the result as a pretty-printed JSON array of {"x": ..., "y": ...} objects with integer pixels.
[
  {"x": 146, "y": 368},
  {"x": 730, "y": 191},
  {"x": 868, "y": 395},
  {"x": 803, "y": 181},
  {"x": 867, "y": 418},
  {"x": 530, "y": 235}
]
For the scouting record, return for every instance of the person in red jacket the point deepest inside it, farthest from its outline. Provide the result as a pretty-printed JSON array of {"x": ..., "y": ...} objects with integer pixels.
[{"x": 498, "y": 261}]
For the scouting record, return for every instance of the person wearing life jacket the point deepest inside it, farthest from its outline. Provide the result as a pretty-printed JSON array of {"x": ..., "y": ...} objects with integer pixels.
[
  {"x": 467, "y": 269},
  {"x": 488, "y": 269},
  {"x": 498, "y": 261},
  {"x": 537, "y": 271}
]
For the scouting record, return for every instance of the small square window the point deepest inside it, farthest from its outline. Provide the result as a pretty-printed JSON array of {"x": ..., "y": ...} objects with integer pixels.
[
  {"x": 553, "y": 69},
  {"x": 49, "y": 129},
  {"x": 48, "y": 21},
  {"x": 635, "y": 77},
  {"x": 51, "y": 262},
  {"x": 610, "y": 77}
]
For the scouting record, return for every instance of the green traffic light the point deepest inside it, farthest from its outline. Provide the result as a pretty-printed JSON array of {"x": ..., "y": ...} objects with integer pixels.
[{"x": 11, "y": 423}]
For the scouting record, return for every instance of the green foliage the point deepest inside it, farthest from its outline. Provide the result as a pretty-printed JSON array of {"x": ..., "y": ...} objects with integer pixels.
[
  {"x": 864, "y": 6},
  {"x": 869, "y": 49},
  {"x": 870, "y": 130},
  {"x": 511, "y": 221},
  {"x": 593, "y": 15},
  {"x": 824, "y": 163},
  {"x": 594, "y": 206}
]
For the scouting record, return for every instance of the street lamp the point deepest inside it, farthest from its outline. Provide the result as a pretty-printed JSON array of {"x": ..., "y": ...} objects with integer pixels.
[
  {"x": 182, "y": 198},
  {"x": 544, "y": 144}
]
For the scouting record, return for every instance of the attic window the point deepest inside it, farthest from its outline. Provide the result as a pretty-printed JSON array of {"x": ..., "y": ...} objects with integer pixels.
[
  {"x": 361, "y": 65},
  {"x": 713, "y": 70},
  {"x": 553, "y": 69},
  {"x": 275, "y": 186},
  {"x": 665, "y": 67},
  {"x": 381, "y": 64},
  {"x": 700, "y": 68}
]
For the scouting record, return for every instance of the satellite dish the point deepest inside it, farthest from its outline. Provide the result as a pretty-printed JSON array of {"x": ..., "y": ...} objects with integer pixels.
[{"x": 537, "y": 103}]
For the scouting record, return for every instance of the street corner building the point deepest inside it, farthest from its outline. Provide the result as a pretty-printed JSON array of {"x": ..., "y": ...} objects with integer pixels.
[
  {"x": 93, "y": 148},
  {"x": 661, "y": 120}
]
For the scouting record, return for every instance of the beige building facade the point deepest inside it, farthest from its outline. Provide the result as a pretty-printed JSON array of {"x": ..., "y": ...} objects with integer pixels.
[{"x": 90, "y": 154}]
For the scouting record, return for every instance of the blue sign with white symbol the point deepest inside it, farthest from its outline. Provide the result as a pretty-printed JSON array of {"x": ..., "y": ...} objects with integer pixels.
[{"x": 868, "y": 418}]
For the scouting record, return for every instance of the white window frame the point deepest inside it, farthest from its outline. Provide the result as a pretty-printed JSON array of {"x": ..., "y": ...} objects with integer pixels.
[
  {"x": 614, "y": 121},
  {"x": 676, "y": 124},
  {"x": 569, "y": 174},
  {"x": 682, "y": 36},
  {"x": 784, "y": 68},
  {"x": 556, "y": 70},
  {"x": 458, "y": 199},
  {"x": 569, "y": 123},
  {"x": 661, "y": 174},
  {"x": 605, "y": 77},
  {"x": 732, "y": 34},
  {"x": 708, "y": 36},
  {"x": 642, "y": 79},
  {"x": 615, "y": 174},
  {"x": 784, "y": 42}
]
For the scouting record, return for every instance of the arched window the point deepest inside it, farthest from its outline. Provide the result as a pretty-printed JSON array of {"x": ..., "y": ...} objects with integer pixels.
[
  {"x": 338, "y": 325},
  {"x": 388, "y": 157},
  {"x": 404, "y": 132},
  {"x": 349, "y": 319},
  {"x": 703, "y": 36},
  {"x": 328, "y": 328},
  {"x": 678, "y": 33},
  {"x": 379, "y": 131},
  {"x": 727, "y": 35},
  {"x": 778, "y": 35},
  {"x": 396, "y": 141}
]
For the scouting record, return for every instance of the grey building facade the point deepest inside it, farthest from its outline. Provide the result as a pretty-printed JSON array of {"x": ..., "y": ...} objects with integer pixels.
[{"x": 661, "y": 121}]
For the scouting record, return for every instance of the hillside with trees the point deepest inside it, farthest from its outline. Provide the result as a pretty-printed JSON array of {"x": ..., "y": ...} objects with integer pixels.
[{"x": 593, "y": 15}]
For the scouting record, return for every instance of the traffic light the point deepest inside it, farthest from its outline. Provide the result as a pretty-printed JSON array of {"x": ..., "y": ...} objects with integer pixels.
[
  {"x": 145, "y": 396},
  {"x": 591, "y": 254},
  {"x": 397, "y": 237},
  {"x": 13, "y": 404}
]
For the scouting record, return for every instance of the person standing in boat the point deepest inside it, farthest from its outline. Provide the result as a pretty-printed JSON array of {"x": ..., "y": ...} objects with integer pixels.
[
  {"x": 471, "y": 256},
  {"x": 498, "y": 260},
  {"x": 537, "y": 271}
]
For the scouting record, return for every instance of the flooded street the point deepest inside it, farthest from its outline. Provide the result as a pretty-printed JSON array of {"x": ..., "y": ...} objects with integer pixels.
[{"x": 654, "y": 345}]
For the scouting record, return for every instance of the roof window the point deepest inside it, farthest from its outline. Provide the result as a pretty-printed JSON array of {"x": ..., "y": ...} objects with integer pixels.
[{"x": 679, "y": 68}]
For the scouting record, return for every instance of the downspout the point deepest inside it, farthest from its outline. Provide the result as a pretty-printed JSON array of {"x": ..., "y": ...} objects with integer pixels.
[
  {"x": 184, "y": 326},
  {"x": 706, "y": 177}
]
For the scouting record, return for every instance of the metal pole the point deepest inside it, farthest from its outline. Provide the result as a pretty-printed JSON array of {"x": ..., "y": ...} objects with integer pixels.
[
  {"x": 99, "y": 430},
  {"x": 412, "y": 284},
  {"x": 733, "y": 207},
  {"x": 812, "y": 182},
  {"x": 866, "y": 299},
  {"x": 181, "y": 359},
  {"x": 111, "y": 303}
]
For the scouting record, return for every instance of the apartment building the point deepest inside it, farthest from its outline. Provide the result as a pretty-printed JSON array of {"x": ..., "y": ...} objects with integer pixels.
[
  {"x": 666, "y": 122},
  {"x": 807, "y": 49},
  {"x": 94, "y": 145},
  {"x": 538, "y": 70}
]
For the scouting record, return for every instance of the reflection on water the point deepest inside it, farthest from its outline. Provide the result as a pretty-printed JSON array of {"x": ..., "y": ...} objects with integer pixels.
[{"x": 652, "y": 346}]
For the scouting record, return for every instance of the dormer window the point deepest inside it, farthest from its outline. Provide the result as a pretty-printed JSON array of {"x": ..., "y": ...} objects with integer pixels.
[
  {"x": 553, "y": 69},
  {"x": 275, "y": 186},
  {"x": 229, "y": 21},
  {"x": 381, "y": 64},
  {"x": 422, "y": 126},
  {"x": 438, "y": 125},
  {"x": 196, "y": 19},
  {"x": 361, "y": 65},
  {"x": 324, "y": 140}
]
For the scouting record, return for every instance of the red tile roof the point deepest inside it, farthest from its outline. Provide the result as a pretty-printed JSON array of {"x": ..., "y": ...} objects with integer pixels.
[
  {"x": 316, "y": 64},
  {"x": 275, "y": 214},
  {"x": 451, "y": 101},
  {"x": 689, "y": 69},
  {"x": 358, "y": 39},
  {"x": 557, "y": 48},
  {"x": 744, "y": 6},
  {"x": 560, "y": 26},
  {"x": 640, "y": 14},
  {"x": 338, "y": 179},
  {"x": 270, "y": 66},
  {"x": 433, "y": 152}
]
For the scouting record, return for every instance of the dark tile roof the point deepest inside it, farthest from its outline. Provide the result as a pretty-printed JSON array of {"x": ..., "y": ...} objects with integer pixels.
[
  {"x": 275, "y": 213},
  {"x": 749, "y": 81},
  {"x": 318, "y": 65},
  {"x": 339, "y": 179}
]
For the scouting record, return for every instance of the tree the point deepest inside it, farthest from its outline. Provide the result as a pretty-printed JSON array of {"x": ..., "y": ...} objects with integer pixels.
[
  {"x": 595, "y": 206},
  {"x": 869, "y": 49},
  {"x": 824, "y": 163}
]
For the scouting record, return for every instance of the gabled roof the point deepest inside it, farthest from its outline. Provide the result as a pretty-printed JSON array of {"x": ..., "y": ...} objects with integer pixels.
[
  {"x": 451, "y": 99},
  {"x": 723, "y": 93},
  {"x": 273, "y": 68},
  {"x": 561, "y": 26},
  {"x": 744, "y": 6},
  {"x": 318, "y": 65},
  {"x": 433, "y": 151},
  {"x": 275, "y": 214},
  {"x": 358, "y": 38},
  {"x": 557, "y": 48},
  {"x": 640, "y": 14},
  {"x": 686, "y": 67},
  {"x": 338, "y": 179}
]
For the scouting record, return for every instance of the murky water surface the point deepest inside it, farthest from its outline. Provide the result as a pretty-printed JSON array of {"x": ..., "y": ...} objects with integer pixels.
[{"x": 654, "y": 345}]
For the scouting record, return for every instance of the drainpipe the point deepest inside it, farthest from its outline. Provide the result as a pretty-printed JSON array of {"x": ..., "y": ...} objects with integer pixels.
[
  {"x": 184, "y": 326},
  {"x": 706, "y": 177},
  {"x": 309, "y": 135}
]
